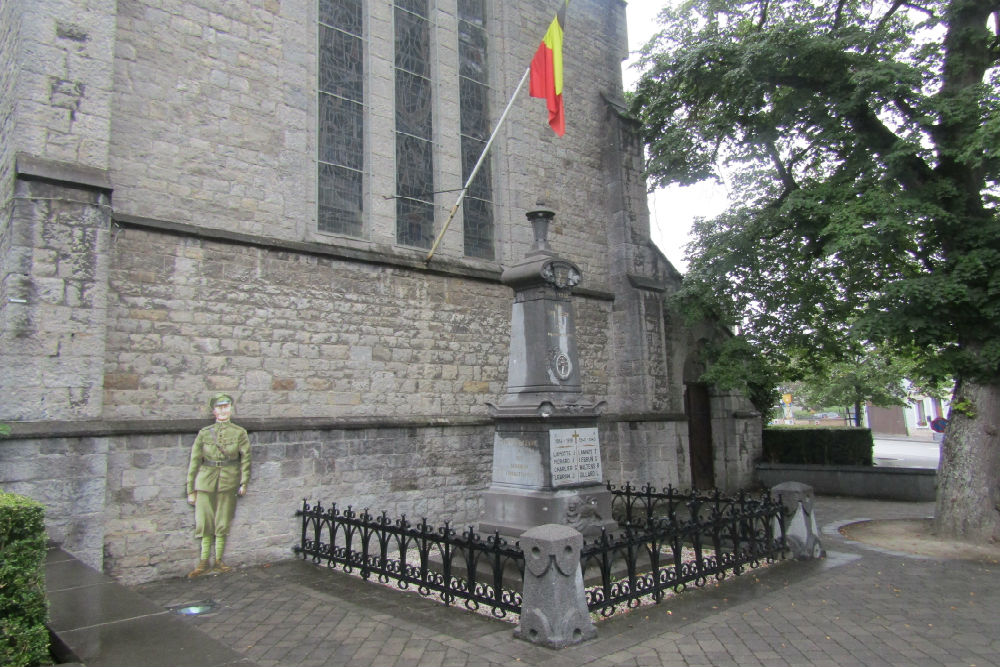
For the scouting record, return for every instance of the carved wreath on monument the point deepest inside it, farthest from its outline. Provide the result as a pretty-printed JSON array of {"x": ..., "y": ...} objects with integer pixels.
[
  {"x": 560, "y": 273},
  {"x": 561, "y": 364}
]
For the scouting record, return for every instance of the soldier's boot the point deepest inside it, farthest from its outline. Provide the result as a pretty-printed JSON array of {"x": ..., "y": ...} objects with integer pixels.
[
  {"x": 200, "y": 570},
  {"x": 220, "y": 548}
]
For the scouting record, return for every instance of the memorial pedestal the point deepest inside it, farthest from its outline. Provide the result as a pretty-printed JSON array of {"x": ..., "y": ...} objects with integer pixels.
[
  {"x": 547, "y": 472},
  {"x": 546, "y": 450}
]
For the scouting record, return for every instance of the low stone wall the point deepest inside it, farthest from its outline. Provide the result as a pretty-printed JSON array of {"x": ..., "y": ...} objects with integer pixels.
[
  {"x": 909, "y": 484},
  {"x": 115, "y": 498},
  {"x": 117, "y": 501}
]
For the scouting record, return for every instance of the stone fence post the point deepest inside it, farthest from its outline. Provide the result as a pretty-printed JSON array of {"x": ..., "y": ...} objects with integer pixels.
[
  {"x": 801, "y": 533},
  {"x": 553, "y": 605}
]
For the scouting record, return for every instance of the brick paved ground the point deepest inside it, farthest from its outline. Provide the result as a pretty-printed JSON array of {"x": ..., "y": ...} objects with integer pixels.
[{"x": 860, "y": 606}]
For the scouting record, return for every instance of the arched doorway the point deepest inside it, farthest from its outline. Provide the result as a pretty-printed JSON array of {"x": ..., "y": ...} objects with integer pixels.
[{"x": 698, "y": 408}]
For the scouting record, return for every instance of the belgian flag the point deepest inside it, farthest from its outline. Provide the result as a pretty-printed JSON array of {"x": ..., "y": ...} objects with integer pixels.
[{"x": 547, "y": 71}]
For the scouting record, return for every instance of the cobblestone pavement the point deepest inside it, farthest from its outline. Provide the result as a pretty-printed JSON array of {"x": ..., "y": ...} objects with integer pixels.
[{"x": 860, "y": 606}]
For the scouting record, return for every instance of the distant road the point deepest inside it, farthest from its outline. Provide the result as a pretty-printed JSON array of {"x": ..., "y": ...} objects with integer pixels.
[{"x": 901, "y": 453}]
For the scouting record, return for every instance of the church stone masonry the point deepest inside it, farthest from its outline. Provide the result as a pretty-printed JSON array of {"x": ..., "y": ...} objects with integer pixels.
[{"x": 159, "y": 243}]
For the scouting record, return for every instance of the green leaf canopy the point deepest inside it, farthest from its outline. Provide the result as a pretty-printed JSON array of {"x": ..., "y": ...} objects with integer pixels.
[{"x": 860, "y": 139}]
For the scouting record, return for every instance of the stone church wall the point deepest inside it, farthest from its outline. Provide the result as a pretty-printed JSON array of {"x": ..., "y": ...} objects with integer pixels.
[
  {"x": 158, "y": 244},
  {"x": 298, "y": 335}
]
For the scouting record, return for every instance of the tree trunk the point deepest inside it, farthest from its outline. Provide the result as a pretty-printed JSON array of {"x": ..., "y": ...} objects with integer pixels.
[{"x": 968, "y": 494}]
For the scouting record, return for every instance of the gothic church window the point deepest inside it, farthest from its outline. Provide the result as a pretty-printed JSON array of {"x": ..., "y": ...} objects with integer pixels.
[
  {"x": 474, "y": 105},
  {"x": 343, "y": 124},
  {"x": 414, "y": 123},
  {"x": 341, "y": 117}
]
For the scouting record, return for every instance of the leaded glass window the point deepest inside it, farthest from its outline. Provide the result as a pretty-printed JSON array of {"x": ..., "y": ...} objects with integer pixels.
[
  {"x": 341, "y": 117},
  {"x": 414, "y": 125},
  {"x": 475, "y": 127}
]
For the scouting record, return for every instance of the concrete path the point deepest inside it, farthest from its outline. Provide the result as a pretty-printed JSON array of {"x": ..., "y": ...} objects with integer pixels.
[{"x": 862, "y": 605}]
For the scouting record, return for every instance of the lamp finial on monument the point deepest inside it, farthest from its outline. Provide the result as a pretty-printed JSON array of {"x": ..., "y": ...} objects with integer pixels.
[{"x": 540, "y": 220}]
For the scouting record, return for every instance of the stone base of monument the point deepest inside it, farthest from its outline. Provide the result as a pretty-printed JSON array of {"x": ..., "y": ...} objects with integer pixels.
[{"x": 511, "y": 511}]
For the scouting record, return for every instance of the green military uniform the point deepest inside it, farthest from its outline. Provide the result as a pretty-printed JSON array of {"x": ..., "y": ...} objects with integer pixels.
[{"x": 219, "y": 466}]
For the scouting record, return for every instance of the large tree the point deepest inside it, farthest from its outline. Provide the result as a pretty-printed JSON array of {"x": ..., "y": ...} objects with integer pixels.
[{"x": 860, "y": 140}]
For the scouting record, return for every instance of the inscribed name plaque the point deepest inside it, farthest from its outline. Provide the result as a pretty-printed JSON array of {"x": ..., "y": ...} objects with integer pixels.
[
  {"x": 517, "y": 461},
  {"x": 575, "y": 455}
]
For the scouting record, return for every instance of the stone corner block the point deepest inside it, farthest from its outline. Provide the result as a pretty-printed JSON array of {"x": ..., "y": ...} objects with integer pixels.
[
  {"x": 801, "y": 533},
  {"x": 554, "y": 606}
]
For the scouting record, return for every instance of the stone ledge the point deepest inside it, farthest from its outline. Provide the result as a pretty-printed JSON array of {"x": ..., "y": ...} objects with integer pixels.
[
  {"x": 102, "y": 428},
  {"x": 30, "y": 167},
  {"x": 908, "y": 484},
  {"x": 108, "y": 428},
  {"x": 405, "y": 259}
]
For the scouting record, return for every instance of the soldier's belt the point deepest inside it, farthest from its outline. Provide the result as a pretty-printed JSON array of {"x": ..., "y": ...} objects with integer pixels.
[{"x": 219, "y": 464}]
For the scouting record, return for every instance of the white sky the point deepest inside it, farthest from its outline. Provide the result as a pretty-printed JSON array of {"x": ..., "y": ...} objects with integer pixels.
[{"x": 673, "y": 209}]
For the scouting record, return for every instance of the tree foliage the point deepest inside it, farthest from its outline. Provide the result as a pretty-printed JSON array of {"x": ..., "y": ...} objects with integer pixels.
[
  {"x": 861, "y": 142},
  {"x": 859, "y": 138}
]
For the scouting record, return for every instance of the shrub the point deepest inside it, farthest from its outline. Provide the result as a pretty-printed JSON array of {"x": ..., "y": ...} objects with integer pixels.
[
  {"x": 821, "y": 446},
  {"x": 24, "y": 639}
]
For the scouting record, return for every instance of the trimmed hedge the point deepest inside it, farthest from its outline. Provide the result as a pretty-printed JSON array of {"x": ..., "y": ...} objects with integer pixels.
[
  {"x": 820, "y": 446},
  {"x": 24, "y": 639}
]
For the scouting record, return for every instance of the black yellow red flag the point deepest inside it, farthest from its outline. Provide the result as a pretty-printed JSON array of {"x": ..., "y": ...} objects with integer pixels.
[{"x": 547, "y": 71}]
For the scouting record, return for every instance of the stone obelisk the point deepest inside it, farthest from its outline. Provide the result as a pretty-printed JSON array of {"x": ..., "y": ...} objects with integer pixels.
[{"x": 546, "y": 450}]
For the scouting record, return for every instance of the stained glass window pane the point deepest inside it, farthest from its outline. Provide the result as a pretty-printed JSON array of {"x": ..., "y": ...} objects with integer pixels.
[
  {"x": 472, "y": 52},
  {"x": 413, "y": 43},
  {"x": 341, "y": 114},
  {"x": 340, "y": 203},
  {"x": 414, "y": 165},
  {"x": 343, "y": 14},
  {"x": 413, "y": 105},
  {"x": 411, "y": 223},
  {"x": 481, "y": 185},
  {"x": 414, "y": 125},
  {"x": 475, "y": 126},
  {"x": 340, "y": 64},
  {"x": 418, "y": 7},
  {"x": 474, "y": 100},
  {"x": 478, "y": 228},
  {"x": 473, "y": 11},
  {"x": 341, "y": 125}
]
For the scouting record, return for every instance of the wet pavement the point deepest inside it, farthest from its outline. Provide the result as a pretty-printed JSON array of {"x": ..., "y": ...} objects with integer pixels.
[{"x": 862, "y": 605}]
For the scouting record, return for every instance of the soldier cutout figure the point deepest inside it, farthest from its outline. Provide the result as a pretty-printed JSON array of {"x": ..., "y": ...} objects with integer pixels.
[{"x": 219, "y": 472}]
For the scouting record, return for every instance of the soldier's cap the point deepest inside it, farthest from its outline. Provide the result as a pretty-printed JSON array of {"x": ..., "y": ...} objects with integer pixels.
[{"x": 220, "y": 399}]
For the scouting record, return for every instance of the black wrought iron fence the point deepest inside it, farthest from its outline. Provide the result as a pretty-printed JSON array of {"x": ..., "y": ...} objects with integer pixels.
[
  {"x": 638, "y": 506},
  {"x": 439, "y": 560},
  {"x": 666, "y": 541},
  {"x": 671, "y": 539}
]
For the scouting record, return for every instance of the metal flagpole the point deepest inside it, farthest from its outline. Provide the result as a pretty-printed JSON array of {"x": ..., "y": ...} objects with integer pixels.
[{"x": 479, "y": 163}]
